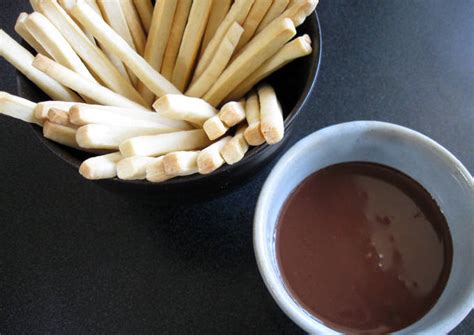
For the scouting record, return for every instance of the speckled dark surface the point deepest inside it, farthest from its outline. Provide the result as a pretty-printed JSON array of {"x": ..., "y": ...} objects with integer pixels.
[{"x": 77, "y": 259}]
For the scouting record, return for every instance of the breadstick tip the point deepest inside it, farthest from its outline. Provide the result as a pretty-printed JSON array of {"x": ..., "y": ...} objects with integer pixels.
[
  {"x": 86, "y": 171},
  {"x": 306, "y": 38},
  {"x": 171, "y": 163},
  {"x": 155, "y": 171},
  {"x": 253, "y": 135},
  {"x": 75, "y": 109},
  {"x": 58, "y": 116},
  {"x": 235, "y": 150},
  {"x": 272, "y": 134},
  {"x": 214, "y": 128},
  {"x": 74, "y": 115},
  {"x": 232, "y": 113},
  {"x": 206, "y": 163},
  {"x": 21, "y": 17},
  {"x": 272, "y": 123},
  {"x": 305, "y": 43},
  {"x": 210, "y": 158},
  {"x": 299, "y": 11},
  {"x": 100, "y": 167},
  {"x": 181, "y": 163}
]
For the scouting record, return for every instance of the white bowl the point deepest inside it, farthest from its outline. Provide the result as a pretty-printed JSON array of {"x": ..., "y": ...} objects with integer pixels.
[{"x": 408, "y": 151}]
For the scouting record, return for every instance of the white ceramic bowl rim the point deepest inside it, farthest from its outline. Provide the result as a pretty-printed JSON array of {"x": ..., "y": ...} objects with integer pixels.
[{"x": 265, "y": 205}]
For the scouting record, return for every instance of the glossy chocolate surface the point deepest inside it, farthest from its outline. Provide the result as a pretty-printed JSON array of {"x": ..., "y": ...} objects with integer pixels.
[{"x": 364, "y": 248}]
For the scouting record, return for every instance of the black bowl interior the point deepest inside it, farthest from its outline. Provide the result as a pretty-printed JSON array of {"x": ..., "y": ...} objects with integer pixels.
[{"x": 293, "y": 84}]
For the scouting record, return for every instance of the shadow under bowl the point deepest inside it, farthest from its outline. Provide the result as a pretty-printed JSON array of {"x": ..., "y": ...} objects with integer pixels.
[{"x": 293, "y": 85}]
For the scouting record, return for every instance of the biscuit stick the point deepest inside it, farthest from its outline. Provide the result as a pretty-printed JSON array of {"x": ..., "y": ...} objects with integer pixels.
[
  {"x": 237, "y": 13},
  {"x": 94, "y": 57},
  {"x": 134, "y": 25},
  {"x": 181, "y": 163},
  {"x": 100, "y": 136},
  {"x": 176, "y": 36},
  {"x": 253, "y": 134},
  {"x": 113, "y": 14},
  {"x": 214, "y": 128},
  {"x": 106, "y": 35},
  {"x": 20, "y": 28},
  {"x": 18, "y": 108},
  {"x": 21, "y": 59},
  {"x": 42, "y": 108},
  {"x": 261, "y": 48},
  {"x": 161, "y": 23},
  {"x": 90, "y": 114},
  {"x": 155, "y": 171},
  {"x": 192, "y": 38},
  {"x": 299, "y": 10},
  {"x": 100, "y": 167},
  {"x": 67, "y": 5},
  {"x": 272, "y": 124},
  {"x": 210, "y": 159},
  {"x": 60, "y": 134},
  {"x": 110, "y": 54},
  {"x": 219, "y": 62},
  {"x": 236, "y": 148},
  {"x": 81, "y": 85},
  {"x": 277, "y": 7},
  {"x": 297, "y": 48},
  {"x": 256, "y": 15},
  {"x": 181, "y": 107},
  {"x": 60, "y": 117},
  {"x": 164, "y": 143},
  {"x": 232, "y": 113},
  {"x": 133, "y": 168},
  {"x": 56, "y": 45},
  {"x": 145, "y": 11},
  {"x": 219, "y": 10}
]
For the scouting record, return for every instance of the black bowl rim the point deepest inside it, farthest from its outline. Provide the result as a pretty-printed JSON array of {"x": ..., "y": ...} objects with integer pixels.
[{"x": 314, "y": 71}]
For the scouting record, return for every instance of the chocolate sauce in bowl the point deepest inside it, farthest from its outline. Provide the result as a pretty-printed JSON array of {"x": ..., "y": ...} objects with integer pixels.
[{"x": 364, "y": 248}]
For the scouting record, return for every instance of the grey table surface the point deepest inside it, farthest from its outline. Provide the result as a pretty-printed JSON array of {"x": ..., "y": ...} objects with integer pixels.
[{"x": 75, "y": 258}]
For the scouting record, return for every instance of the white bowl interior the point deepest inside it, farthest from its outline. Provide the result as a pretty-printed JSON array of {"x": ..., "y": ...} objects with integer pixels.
[{"x": 434, "y": 167}]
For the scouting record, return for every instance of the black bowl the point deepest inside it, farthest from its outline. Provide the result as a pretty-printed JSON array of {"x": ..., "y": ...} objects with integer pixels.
[{"x": 293, "y": 85}]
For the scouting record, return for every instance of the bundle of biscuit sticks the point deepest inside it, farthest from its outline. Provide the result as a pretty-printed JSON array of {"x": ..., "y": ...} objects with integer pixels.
[{"x": 156, "y": 91}]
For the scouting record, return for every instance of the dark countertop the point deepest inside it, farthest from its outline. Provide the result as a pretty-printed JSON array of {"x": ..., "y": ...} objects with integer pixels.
[{"x": 77, "y": 259}]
